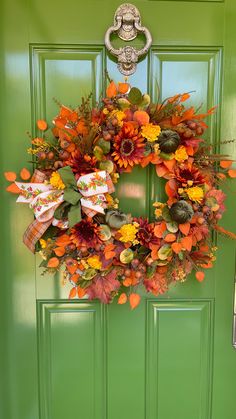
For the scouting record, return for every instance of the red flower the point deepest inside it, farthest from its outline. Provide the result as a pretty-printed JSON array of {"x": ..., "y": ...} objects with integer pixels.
[
  {"x": 81, "y": 164},
  {"x": 85, "y": 233},
  {"x": 145, "y": 233}
]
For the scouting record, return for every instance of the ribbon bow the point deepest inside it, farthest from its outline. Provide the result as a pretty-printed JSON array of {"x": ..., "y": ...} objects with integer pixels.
[{"x": 88, "y": 193}]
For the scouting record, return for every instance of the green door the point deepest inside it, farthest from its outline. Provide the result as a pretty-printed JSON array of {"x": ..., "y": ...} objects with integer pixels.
[{"x": 172, "y": 357}]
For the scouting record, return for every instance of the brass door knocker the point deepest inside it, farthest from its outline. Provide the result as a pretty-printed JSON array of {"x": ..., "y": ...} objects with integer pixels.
[{"x": 127, "y": 25}]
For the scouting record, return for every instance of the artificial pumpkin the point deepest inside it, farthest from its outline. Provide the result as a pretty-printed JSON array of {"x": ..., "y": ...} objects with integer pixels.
[
  {"x": 168, "y": 141},
  {"x": 181, "y": 212},
  {"x": 116, "y": 219}
]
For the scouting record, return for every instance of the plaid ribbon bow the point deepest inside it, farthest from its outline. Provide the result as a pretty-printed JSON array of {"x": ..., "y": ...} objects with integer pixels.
[{"x": 44, "y": 200}]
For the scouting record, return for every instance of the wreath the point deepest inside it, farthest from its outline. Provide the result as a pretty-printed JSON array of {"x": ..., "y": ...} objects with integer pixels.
[{"x": 78, "y": 224}]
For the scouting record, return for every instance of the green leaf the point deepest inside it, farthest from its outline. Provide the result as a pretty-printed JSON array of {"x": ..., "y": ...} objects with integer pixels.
[
  {"x": 98, "y": 152},
  {"x": 67, "y": 176},
  {"x": 164, "y": 252},
  {"x": 104, "y": 145},
  {"x": 62, "y": 211},
  {"x": 172, "y": 227},
  {"x": 151, "y": 269},
  {"x": 166, "y": 156},
  {"x": 106, "y": 165},
  {"x": 166, "y": 214},
  {"x": 74, "y": 215},
  {"x": 135, "y": 96},
  {"x": 71, "y": 196}
]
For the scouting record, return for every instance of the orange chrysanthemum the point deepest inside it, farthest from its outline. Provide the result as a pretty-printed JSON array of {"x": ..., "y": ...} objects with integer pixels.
[{"x": 128, "y": 146}]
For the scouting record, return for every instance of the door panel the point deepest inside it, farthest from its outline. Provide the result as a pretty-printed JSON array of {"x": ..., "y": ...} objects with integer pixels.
[{"x": 173, "y": 356}]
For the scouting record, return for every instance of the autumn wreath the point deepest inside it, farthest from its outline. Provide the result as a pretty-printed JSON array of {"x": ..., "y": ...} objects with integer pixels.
[{"x": 78, "y": 223}]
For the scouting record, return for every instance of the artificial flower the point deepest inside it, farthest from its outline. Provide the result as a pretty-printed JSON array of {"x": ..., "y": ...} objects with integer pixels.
[
  {"x": 128, "y": 146},
  {"x": 150, "y": 132},
  {"x": 128, "y": 233},
  {"x": 56, "y": 181},
  {"x": 94, "y": 262},
  {"x": 195, "y": 194},
  {"x": 85, "y": 233},
  {"x": 181, "y": 154}
]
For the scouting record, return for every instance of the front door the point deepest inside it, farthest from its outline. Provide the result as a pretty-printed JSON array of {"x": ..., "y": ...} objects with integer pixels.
[{"x": 172, "y": 357}]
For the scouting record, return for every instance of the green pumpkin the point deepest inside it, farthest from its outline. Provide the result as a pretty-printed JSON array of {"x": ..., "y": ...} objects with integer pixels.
[
  {"x": 168, "y": 141},
  {"x": 116, "y": 219},
  {"x": 181, "y": 212}
]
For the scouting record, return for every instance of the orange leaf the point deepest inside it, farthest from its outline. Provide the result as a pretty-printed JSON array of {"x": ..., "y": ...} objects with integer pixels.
[
  {"x": 42, "y": 125},
  {"x": 184, "y": 97},
  {"x": 74, "y": 278},
  {"x": 53, "y": 263},
  {"x": 81, "y": 292},
  {"x": 200, "y": 276},
  {"x": 63, "y": 240},
  {"x": 123, "y": 88},
  {"x": 122, "y": 298},
  {"x": 25, "y": 174},
  {"x": 169, "y": 164},
  {"x": 187, "y": 243},
  {"x": 176, "y": 247},
  {"x": 232, "y": 173},
  {"x": 170, "y": 188},
  {"x": 159, "y": 229},
  {"x": 169, "y": 238},
  {"x": 59, "y": 251},
  {"x": 109, "y": 255},
  {"x": 184, "y": 228},
  {"x": 13, "y": 188},
  {"x": 161, "y": 170},
  {"x": 111, "y": 90},
  {"x": 134, "y": 300},
  {"x": 127, "y": 282},
  {"x": 73, "y": 292},
  {"x": 10, "y": 176},
  {"x": 225, "y": 164}
]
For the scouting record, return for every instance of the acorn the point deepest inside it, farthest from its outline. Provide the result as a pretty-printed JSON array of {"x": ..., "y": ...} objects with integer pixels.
[
  {"x": 168, "y": 141},
  {"x": 58, "y": 164},
  {"x": 181, "y": 212},
  {"x": 116, "y": 219}
]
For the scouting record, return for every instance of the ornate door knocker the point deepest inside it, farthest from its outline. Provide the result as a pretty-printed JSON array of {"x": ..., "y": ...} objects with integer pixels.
[{"x": 127, "y": 25}]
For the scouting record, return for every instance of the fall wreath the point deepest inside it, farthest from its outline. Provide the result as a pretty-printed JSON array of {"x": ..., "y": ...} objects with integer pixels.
[{"x": 78, "y": 224}]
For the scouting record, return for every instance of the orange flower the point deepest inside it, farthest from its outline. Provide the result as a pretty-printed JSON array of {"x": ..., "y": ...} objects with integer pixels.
[{"x": 129, "y": 146}]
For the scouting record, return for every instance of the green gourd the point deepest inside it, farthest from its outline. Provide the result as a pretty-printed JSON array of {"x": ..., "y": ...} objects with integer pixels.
[
  {"x": 116, "y": 219},
  {"x": 181, "y": 212},
  {"x": 168, "y": 141}
]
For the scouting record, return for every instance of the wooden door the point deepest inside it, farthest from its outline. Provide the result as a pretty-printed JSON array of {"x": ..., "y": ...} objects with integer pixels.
[{"x": 172, "y": 358}]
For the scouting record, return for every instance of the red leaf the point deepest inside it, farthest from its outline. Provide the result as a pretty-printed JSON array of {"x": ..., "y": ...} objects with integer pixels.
[{"x": 103, "y": 287}]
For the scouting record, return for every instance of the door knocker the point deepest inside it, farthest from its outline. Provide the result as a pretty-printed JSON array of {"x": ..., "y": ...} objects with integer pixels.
[{"x": 127, "y": 25}]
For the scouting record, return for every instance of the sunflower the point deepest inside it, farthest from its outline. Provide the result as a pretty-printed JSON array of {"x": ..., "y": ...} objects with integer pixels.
[
  {"x": 189, "y": 175},
  {"x": 128, "y": 145},
  {"x": 85, "y": 233}
]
